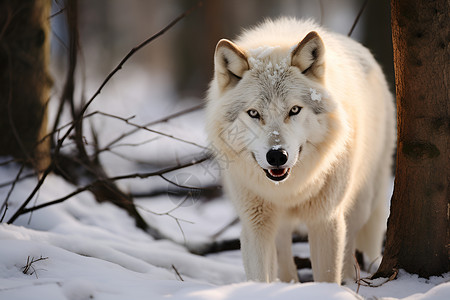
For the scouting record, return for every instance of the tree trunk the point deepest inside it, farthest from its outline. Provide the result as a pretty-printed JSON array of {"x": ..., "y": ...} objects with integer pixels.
[
  {"x": 24, "y": 79},
  {"x": 418, "y": 226}
]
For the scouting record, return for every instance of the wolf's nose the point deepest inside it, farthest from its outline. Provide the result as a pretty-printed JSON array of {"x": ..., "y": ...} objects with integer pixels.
[{"x": 277, "y": 157}]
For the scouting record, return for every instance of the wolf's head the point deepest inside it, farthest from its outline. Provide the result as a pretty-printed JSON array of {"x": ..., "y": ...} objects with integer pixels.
[{"x": 270, "y": 104}]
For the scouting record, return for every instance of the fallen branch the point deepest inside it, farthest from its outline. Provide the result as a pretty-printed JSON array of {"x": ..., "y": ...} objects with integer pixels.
[{"x": 227, "y": 245}]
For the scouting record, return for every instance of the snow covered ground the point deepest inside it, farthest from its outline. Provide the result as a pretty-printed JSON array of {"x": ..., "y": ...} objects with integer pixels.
[
  {"x": 94, "y": 251},
  {"x": 81, "y": 249}
]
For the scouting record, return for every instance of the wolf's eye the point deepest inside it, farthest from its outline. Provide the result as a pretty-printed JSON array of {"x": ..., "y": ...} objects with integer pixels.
[
  {"x": 253, "y": 113},
  {"x": 295, "y": 110}
]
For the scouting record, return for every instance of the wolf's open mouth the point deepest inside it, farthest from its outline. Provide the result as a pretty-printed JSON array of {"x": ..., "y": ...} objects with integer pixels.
[{"x": 277, "y": 174}]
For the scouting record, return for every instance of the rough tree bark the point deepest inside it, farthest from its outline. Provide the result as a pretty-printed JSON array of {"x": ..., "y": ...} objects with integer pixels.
[
  {"x": 24, "y": 79},
  {"x": 418, "y": 226}
]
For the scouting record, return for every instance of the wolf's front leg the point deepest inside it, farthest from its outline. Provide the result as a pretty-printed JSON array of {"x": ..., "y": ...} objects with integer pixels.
[
  {"x": 258, "y": 242},
  {"x": 287, "y": 270},
  {"x": 327, "y": 243}
]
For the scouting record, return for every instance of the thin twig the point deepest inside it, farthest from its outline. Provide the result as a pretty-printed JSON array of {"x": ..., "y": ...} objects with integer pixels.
[
  {"x": 357, "y": 17},
  {"x": 127, "y": 120},
  {"x": 208, "y": 192},
  {"x": 124, "y": 157},
  {"x": 165, "y": 119},
  {"x": 178, "y": 273},
  {"x": 322, "y": 12},
  {"x": 185, "y": 186},
  {"x": 29, "y": 265},
  {"x": 30, "y": 197},
  {"x": 358, "y": 273},
  {"x": 60, "y": 11},
  {"x": 367, "y": 280},
  {"x": 132, "y": 144},
  {"x": 4, "y": 211},
  {"x": 169, "y": 214},
  {"x": 163, "y": 171},
  {"x": 5, "y": 203}
]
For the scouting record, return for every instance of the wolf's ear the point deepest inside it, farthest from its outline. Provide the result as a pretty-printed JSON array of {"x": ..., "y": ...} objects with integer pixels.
[
  {"x": 309, "y": 56},
  {"x": 230, "y": 63}
]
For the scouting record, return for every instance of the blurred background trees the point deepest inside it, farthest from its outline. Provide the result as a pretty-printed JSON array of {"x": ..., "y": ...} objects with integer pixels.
[
  {"x": 25, "y": 80},
  {"x": 109, "y": 27}
]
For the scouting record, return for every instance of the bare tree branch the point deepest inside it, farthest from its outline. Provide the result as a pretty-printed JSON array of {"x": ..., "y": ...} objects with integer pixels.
[
  {"x": 165, "y": 119},
  {"x": 5, "y": 203},
  {"x": 357, "y": 17},
  {"x": 204, "y": 192},
  {"x": 116, "y": 140},
  {"x": 33, "y": 193},
  {"x": 184, "y": 186},
  {"x": 24, "y": 210},
  {"x": 127, "y": 120}
]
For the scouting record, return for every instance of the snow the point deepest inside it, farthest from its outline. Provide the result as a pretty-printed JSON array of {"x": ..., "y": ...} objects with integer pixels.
[
  {"x": 260, "y": 61},
  {"x": 315, "y": 96},
  {"x": 93, "y": 250}
]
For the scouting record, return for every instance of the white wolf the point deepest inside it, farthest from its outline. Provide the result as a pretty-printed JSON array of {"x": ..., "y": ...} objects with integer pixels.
[{"x": 302, "y": 122}]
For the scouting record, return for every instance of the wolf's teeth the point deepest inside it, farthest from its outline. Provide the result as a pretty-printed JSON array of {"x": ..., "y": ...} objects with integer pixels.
[{"x": 272, "y": 172}]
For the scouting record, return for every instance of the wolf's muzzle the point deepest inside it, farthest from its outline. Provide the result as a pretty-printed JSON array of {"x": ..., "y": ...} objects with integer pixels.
[{"x": 277, "y": 157}]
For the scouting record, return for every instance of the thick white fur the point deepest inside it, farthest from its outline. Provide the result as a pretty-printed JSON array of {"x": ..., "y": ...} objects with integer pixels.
[{"x": 338, "y": 181}]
